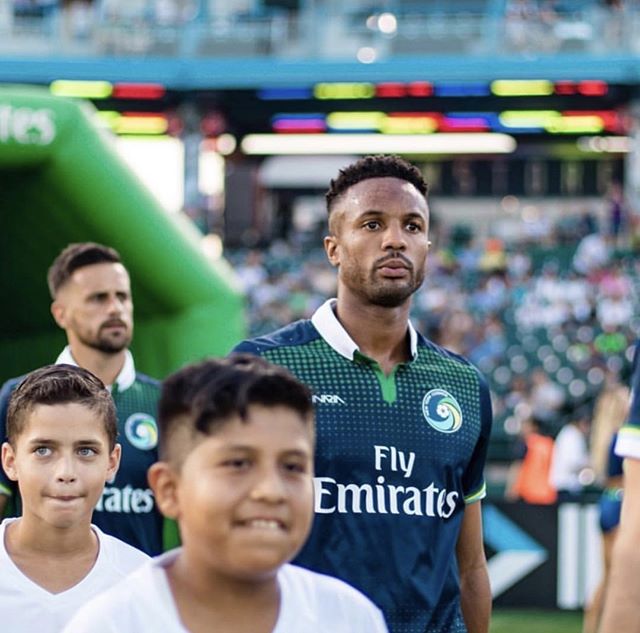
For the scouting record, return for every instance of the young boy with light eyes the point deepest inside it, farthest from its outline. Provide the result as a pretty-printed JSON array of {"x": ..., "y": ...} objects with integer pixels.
[
  {"x": 61, "y": 449},
  {"x": 236, "y": 472}
]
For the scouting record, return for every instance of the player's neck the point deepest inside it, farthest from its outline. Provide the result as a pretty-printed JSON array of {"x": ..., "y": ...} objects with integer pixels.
[
  {"x": 105, "y": 366},
  {"x": 379, "y": 332},
  {"x": 31, "y": 535},
  {"x": 54, "y": 559},
  {"x": 208, "y": 600}
]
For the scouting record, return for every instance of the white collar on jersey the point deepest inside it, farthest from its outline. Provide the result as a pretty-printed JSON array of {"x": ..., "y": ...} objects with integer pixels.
[
  {"x": 124, "y": 379},
  {"x": 331, "y": 330}
]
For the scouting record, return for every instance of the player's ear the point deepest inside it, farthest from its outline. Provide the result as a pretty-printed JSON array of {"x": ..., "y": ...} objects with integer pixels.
[
  {"x": 114, "y": 462},
  {"x": 58, "y": 313},
  {"x": 163, "y": 480},
  {"x": 331, "y": 248},
  {"x": 9, "y": 461}
]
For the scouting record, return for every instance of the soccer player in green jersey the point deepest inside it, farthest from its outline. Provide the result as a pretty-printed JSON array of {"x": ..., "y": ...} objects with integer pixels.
[
  {"x": 402, "y": 424},
  {"x": 92, "y": 303}
]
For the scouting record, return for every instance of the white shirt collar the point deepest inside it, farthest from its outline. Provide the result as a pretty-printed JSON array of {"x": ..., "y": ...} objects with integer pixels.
[
  {"x": 325, "y": 321},
  {"x": 124, "y": 379}
]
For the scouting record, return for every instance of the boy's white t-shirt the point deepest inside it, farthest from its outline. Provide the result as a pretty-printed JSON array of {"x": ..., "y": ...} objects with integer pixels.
[
  {"x": 310, "y": 602},
  {"x": 25, "y": 607}
]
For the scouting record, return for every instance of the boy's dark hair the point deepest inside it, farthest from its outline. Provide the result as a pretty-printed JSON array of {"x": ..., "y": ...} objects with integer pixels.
[
  {"x": 60, "y": 384},
  {"x": 76, "y": 256},
  {"x": 206, "y": 395},
  {"x": 374, "y": 167}
]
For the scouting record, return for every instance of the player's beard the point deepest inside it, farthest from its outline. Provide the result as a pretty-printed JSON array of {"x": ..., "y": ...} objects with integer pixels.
[
  {"x": 386, "y": 293},
  {"x": 104, "y": 343}
]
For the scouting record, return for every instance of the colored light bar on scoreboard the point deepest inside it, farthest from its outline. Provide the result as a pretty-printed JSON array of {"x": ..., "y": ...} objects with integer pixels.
[
  {"x": 510, "y": 121},
  {"x": 522, "y": 87},
  {"x": 355, "y": 121},
  {"x": 586, "y": 88},
  {"x": 138, "y": 91},
  {"x": 81, "y": 89},
  {"x": 407, "y": 144},
  {"x": 421, "y": 89},
  {"x": 462, "y": 90},
  {"x": 344, "y": 91},
  {"x": 300, "y": 123},
  {"x": 135, "y": 123},
  {"x": 275, "y": 94}
]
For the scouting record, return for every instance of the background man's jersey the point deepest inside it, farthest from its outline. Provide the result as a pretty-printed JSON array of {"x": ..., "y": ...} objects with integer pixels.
[
  {"x": 397, "y": 458},
  {"x": 628, "y": 442},
  {"x": 127, "y": 508}
]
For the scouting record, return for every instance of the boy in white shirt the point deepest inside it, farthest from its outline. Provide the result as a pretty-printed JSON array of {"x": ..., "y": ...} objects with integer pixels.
[
  {"x": 61, "y": 449},
  {"x": 236, "y": 444}
]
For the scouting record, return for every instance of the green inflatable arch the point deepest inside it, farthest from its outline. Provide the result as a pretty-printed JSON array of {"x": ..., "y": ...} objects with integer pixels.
[{"x": 61, "y": 181}]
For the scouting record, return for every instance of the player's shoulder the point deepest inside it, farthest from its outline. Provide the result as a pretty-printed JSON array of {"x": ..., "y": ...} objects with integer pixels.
[
  {"x": 318, "y": 593},
  {"x": 446, "y": 356},
  {"x": 148, "y": 381},
  {"x": 114, "y": 610},
  {"x": 295, "y": 334},
  {"x": 9, "y": 385},
  {"x": 120, "y": 556}
]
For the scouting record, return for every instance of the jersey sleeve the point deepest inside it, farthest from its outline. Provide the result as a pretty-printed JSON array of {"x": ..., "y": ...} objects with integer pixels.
[
  {"x": 247, "y": 346},
  {"x": 614, "y": 462},
  {"x": 628, "y": 443},
  {"x": 6, "y": 485},
  {"x": 473, "y": 482}
]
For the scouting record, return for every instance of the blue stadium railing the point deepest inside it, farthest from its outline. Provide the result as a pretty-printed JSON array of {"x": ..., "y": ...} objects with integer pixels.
[{"x": 263, "y": 43}]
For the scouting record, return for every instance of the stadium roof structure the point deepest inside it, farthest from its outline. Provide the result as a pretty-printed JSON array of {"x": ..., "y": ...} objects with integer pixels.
[{"x": 62, "y": 181}]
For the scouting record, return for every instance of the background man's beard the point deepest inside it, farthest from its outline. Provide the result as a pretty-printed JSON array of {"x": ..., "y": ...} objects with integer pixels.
[{"x": 107, "y": 346}]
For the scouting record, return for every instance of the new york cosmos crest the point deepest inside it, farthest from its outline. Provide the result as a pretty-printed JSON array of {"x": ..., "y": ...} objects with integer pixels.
[
  {"x": 442, "y": 411},
  {"x": 142, "y": 431}
]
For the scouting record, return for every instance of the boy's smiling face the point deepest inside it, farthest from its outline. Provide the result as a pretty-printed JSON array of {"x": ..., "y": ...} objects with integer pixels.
[
  {"x": 61, "y": 461},
  {"x": 243, "y": 496}
]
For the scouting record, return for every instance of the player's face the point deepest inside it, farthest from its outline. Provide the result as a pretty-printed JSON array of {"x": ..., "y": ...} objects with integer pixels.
[
  {"x": 95, "y": 309},
  {"x": 61, "y": 462},
  {"x": 380, "y": 240},
  {"x": 245, "y": 494}
]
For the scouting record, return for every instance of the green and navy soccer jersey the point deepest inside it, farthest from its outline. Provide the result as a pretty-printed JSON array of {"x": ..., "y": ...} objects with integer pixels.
[
  {"x": 397, "y": 459},
  {"x": 127, "y": 507},
  {"x": 628, "y": 442}
]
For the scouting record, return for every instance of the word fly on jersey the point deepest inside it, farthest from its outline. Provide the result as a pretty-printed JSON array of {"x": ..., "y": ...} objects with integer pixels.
[{"x": 382, "y": 498}]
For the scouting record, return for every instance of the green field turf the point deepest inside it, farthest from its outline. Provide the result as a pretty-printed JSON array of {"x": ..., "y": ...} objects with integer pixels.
[{"x": 526, "y": 621}]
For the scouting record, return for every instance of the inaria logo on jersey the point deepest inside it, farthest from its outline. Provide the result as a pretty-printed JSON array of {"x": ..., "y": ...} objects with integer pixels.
[
  {"x": 141, "y": 431},
  {"x": 442, "y": 411},
  {"x": 327, "y": 398}
]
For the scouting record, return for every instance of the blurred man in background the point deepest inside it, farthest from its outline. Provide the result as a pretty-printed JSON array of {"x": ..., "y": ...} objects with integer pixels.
[{"x": 92, "y": 303}]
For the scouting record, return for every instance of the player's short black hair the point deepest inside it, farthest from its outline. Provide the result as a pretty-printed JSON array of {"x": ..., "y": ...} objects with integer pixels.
[
  {"x": 207, "y": 395},
  {"x": 78, "y": 255},
  {"x": 60, "y": 384},
  {"x": 374, "y": 167}
]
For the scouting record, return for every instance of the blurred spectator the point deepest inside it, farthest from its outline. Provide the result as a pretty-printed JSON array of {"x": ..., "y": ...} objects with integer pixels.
[
  {"x": 591, "y": 255},
  {"x": 617, "y": 213},
  {"x": 528, "y": 478},
  {"x": 570, "y": 460},
  {"x": 547, "y": 397},
  {"x": 520, "y": 16}
]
